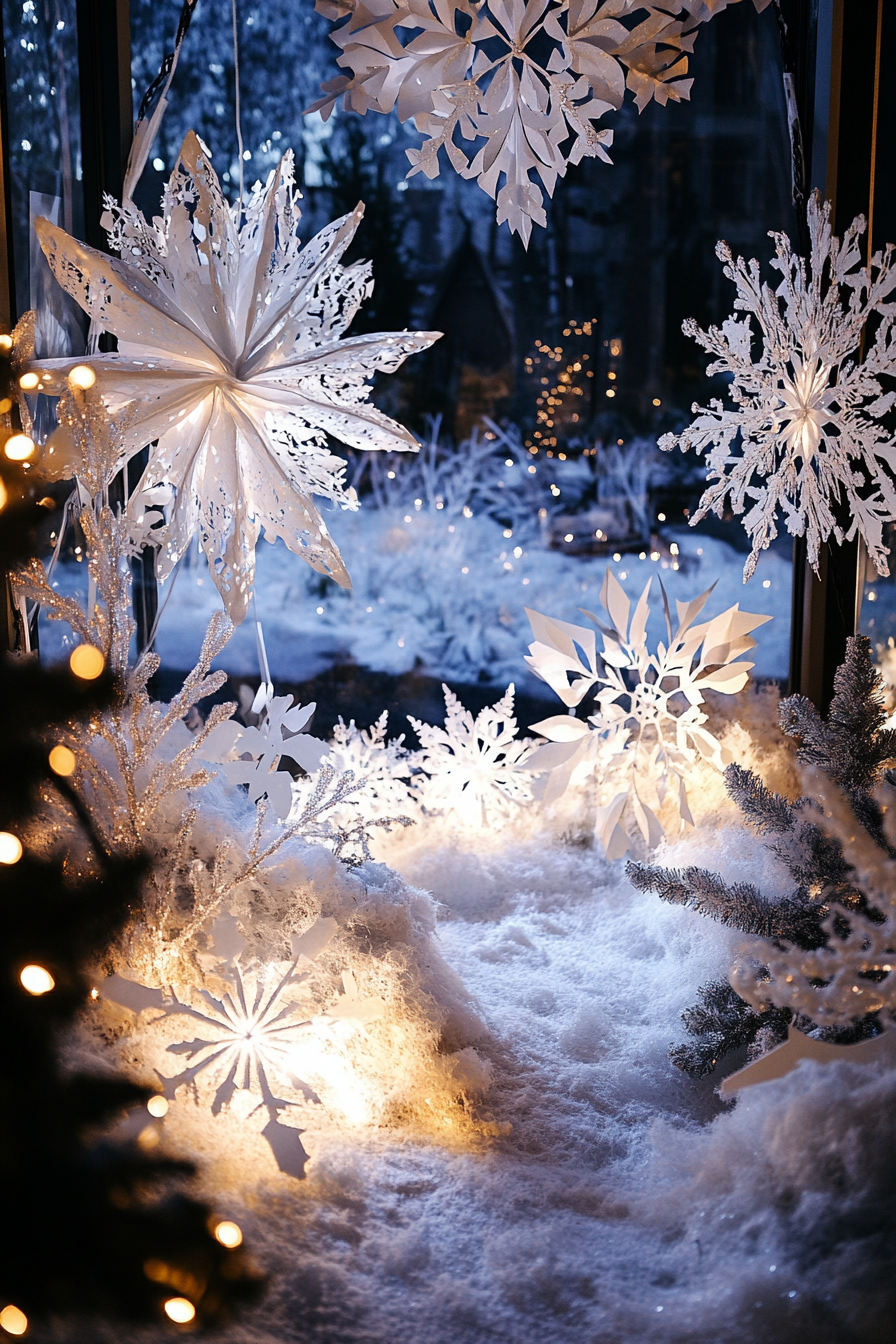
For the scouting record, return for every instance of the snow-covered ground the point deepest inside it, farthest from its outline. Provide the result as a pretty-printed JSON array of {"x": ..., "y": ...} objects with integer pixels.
[
  {"x": 610, "y": 1200},
  {"x": 449, "y": 596}
]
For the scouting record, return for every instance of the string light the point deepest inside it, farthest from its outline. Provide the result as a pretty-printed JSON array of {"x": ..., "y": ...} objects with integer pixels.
[
  {"x": 229, "y": 1235},
  {"x": 12, "y": 1320},
  {"x": 180, "y": 1310},
  {"x": 28, "y": 382},
  {"x": 82, "y": 376},
  {"x": 36, "y": 979},
  {"x": 3, "y": 496},
  {"x": 10, "y": 848},
  {"x": 18, "y": 448},
  {"x": 62, "y": 761},
  {"x": 157, "y": 1107},
  {"x": 5, "y": 344},
  {"x": 87, "y": 662}
]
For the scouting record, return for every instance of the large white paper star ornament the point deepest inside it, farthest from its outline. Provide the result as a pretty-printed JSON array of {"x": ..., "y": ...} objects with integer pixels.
[{"x": 231, "y": 363}]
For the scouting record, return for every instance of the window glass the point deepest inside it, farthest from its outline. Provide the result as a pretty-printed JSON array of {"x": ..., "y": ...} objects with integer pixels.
[{"x": 560, "y": 365}]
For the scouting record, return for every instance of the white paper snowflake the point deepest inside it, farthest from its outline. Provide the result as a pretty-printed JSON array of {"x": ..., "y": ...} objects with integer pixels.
[
  {"x": 474, "y": 768},
  {"x": 384, "y": 764},
  {"x": 529, "y": 77},
  {"x": 256, "y": 1033},
  {"x": 806, "y": 436},
  {"x": 252, "y": 756},
  {"x": 648, "y": 730},
  {"x": 231, "y": 362}
]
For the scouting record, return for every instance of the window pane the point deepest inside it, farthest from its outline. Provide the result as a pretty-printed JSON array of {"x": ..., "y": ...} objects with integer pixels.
[{"x": 570, "y": 352}]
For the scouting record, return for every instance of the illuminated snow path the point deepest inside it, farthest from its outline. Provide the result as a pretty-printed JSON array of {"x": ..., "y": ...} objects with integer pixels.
[{"x": 617, "y": 1209}]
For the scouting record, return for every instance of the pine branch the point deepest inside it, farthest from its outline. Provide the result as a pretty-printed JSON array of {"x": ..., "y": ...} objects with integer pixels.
[{"x": 740, "y": 906}]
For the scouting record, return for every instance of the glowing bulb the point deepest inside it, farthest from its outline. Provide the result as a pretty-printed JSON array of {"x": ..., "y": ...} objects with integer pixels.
[
  {"x": 18, "y": 448},
  {"x": 157, "y": 1107},
  {"x": 3, "y": 496},
  {"x": 87, "y": 662},
  {"x": 10, "y": 848},
  {"x": 229, "y": 1235},
  {"x": 180, "y": 1310},
  {"x": 28, "y": 381},
  {"x": 82, "y": 376},
  {"x": 36, "y": 979},
  {"x": 13, "y": 1321},
  {"x": 5, "y": 344},
  {"x": 568, "y": 537},
  {"x": 62, "y": 761}
]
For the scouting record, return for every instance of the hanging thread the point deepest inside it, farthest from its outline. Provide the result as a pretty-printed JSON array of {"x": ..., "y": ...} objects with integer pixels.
[{"x": 236, "y": 82}]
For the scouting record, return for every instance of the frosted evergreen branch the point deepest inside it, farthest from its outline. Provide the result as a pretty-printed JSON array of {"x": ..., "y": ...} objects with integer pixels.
[{"x": 739, "y": 906}]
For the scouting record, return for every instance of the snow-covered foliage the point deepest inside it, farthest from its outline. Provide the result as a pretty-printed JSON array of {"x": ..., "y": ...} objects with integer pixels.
[
  {"x": 444, "y": 588},
  {"x": 474, "y": 769},
  {"x": 530, "y": 77},
  {"x": 231, "y": 364},
  {"x": 853, "y": 974},
  {"x": 648, "y": 730},
  {"x": 809, "y": 408}
]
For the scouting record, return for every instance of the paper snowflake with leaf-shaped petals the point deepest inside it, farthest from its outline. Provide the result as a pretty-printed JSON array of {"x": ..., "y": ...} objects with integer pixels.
[
  {"x": 648, "y": 730},
  {"x": 474, "y": 768},
  {"x": 806, "y": 437},
  {"x": 529, "y": 77},
  {"x": 233, "y": 364}
]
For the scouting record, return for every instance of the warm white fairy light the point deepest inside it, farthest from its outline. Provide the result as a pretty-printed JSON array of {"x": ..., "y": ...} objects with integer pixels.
[
  {"x": 28, "y": 382},
  {"x": 13, "y": 1320},
  {"x": 62, "y": 761},
  {"x": 10, "y": 848},
  {"x": 228, "y": 1234},
  {"x": 87, "y": 662},
  {"x": 157, "y": 1107},
  {"x": 19, "y": 447},
  {"x": 36, "y": 979},
  {"x": 180, "y": 1310},
  {"x": 82, "y": 376}
]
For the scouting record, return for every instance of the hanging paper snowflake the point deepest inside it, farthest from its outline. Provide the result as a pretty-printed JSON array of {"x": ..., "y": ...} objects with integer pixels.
[
  {"x": 648, "y": 731},
  {"x": 529, "y": 77},
  {"x": 475, "y": 768},
  {"x": 256, "y": 1034},
  {"x": 231, "y": 363},
  {"x": 809, "y": 407}
]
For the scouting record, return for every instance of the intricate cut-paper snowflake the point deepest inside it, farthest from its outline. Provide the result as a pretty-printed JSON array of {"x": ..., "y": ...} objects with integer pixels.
[
  {"x": 648, "y": 730},
  {"x": 809, "y": 407},
  {"x": 530, "y": 77},
  {"x": 249, "y": 1033},
  {"x": 384, "y": 764},
  {"x": 232, "y": 363},
  {"x": 474, "y": 768},
  {"x": 254, "y": 1034}
]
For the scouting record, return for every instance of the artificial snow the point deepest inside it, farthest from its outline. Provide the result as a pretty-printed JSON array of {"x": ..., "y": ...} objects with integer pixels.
[{"x": 584, "y": 1190}]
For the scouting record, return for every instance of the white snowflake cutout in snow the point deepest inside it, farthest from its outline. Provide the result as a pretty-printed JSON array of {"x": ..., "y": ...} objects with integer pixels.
[
  {"x": 252, "y": 756},
  {"x": 250, "y": 1033},
  {"x": 231, "y": 363},
  {"x": 383, "y": 764},
  {"x": 809, "y": 407},
  {"x": 648, "y": 730},
  {"x": 475, "y": 768}
]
